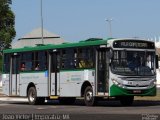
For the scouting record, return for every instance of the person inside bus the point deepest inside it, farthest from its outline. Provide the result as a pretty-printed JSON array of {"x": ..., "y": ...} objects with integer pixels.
[
  {"x": 89, "y": 63},
  {"x": 23, "y": 67},
  {"x": 134, "y": 62},
  {"x": 82, "y": 64},
  {"x": 148, "y": 61},
  {"x": 37, "y": 67}
]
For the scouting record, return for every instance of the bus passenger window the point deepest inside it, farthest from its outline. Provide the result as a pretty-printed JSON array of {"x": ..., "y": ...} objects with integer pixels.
[
  {"x": 6, "y": 65},
  {"x": 67, "y": 59},
  {"x": 40, "y": 60},
  {"x": 85, "y": 57},
  {"x": 28, "y": 65}
]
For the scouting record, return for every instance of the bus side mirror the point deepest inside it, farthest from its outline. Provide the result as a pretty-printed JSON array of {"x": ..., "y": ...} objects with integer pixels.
[
  {"x": 157, "y": 65},
  {"x": 110, "y": 54}
]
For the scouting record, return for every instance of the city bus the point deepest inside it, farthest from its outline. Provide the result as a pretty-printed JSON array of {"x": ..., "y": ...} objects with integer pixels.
[{"x": 93, "y": 69}]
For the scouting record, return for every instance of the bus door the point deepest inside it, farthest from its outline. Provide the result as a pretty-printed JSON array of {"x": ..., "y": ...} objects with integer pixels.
[
  {"x": 102, "y": 71},
  {"x": 54, "y": 73},
  {"x": 14, "y": 75}
]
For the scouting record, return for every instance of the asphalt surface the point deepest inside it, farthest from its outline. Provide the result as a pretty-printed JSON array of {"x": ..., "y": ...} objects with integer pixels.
[{"x": 109, "y": 110}]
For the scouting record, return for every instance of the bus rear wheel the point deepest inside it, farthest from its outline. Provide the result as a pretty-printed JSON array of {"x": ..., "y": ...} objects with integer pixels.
[
  {"x": 89, "y": 99},
  {"x": 127, "y": 100},
  {"x": 32, "y": 97}
]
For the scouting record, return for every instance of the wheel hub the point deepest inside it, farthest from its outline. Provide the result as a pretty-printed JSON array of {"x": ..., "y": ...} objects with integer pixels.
[
  {"x": 89, "y": 96},
  {"x": 32, "y": 96}
]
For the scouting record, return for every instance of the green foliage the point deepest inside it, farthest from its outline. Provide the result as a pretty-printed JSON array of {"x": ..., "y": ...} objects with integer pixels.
[{"x": 7, "y": 24}]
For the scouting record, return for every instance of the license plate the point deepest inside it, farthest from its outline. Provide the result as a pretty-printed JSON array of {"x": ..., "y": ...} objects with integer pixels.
[{"x": 137, "y": 91}]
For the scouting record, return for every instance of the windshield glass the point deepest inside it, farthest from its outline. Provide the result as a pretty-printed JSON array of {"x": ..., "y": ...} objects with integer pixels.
[{"x": 133, "y": 63}]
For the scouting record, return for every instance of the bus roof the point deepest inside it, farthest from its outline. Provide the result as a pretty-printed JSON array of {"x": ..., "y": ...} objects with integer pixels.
[{"x": 88, "y": 42}]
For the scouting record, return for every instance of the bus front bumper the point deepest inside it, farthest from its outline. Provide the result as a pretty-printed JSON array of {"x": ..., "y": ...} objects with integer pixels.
[{"x": 118, "y": 91}]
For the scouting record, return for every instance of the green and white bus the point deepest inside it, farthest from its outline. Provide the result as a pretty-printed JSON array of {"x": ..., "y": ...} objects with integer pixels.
[{"x": 92, "y": 69}]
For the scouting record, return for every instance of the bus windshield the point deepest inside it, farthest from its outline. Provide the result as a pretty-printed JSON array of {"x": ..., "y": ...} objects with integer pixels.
[{"x": 139, "y": 63}]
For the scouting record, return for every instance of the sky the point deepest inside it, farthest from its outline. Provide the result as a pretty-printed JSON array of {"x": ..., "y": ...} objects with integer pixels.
[{"x": 76, "y": 20}]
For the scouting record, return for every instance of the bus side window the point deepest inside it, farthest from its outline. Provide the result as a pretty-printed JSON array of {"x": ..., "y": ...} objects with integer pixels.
[
  {"x": 6, "y": 63},
  {"x": 40, "y": 61},
  {"x": 85, "y": 57},
  {"x": 80, "y": 58},
  {"x": 77, "y": 58},
  {"x": 67, "y": 59},
  {"x": 26, "y": 60},
  {"x": 63, "y": 57}
]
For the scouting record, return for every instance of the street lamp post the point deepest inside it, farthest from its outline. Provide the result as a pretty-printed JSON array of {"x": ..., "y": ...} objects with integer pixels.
[
  {"x": 110, "y": 27},
  {"x": 42, "y": 22}
]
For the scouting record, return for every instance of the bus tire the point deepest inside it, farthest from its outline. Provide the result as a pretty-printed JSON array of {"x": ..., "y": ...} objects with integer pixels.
[
  {"x": 89, "y": 99},
  {"x": 126, "y": 100},
  {"x": 32, "y": 97}
]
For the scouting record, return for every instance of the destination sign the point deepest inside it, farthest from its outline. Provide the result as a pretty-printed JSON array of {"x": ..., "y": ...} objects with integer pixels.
[{"x": 133, "y": 44}]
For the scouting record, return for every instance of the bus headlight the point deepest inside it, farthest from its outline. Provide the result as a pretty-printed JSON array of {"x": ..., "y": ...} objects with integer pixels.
[
  {"x": 117, "y": 83},
  {"x": 153, "y": 83}
]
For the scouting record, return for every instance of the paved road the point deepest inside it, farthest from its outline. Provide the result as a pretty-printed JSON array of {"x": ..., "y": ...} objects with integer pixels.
[{"x": 112, "y": 110}]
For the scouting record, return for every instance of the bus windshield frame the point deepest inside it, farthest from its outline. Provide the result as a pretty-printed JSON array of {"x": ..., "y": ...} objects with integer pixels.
[{"x": 133, "y": 62}]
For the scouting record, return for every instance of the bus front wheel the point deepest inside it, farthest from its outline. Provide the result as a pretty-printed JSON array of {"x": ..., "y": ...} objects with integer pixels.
[
  {"x": 89, "y": 99},
  {"x": 32, "y": 97}
]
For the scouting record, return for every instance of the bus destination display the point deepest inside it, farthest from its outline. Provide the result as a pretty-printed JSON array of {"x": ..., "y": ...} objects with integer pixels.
[{"x": 133, "y": 44}]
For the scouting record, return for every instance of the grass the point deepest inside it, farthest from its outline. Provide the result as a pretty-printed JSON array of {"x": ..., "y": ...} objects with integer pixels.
[{"x": 151, "y": 98}]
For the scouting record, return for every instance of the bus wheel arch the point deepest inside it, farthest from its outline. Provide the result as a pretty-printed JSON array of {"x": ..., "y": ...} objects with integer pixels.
[
  {"x": 84, "y": 86},
  {"x": 30, "y": 85}
]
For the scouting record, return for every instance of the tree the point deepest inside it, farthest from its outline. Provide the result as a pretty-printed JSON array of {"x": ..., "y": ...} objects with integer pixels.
[{"x": 7, "y": 24}]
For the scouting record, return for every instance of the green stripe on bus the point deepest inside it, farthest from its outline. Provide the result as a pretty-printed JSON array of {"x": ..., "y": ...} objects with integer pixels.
[
  {"x": 66, "y": 45},
  {"x": 117, "y": 91}
]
